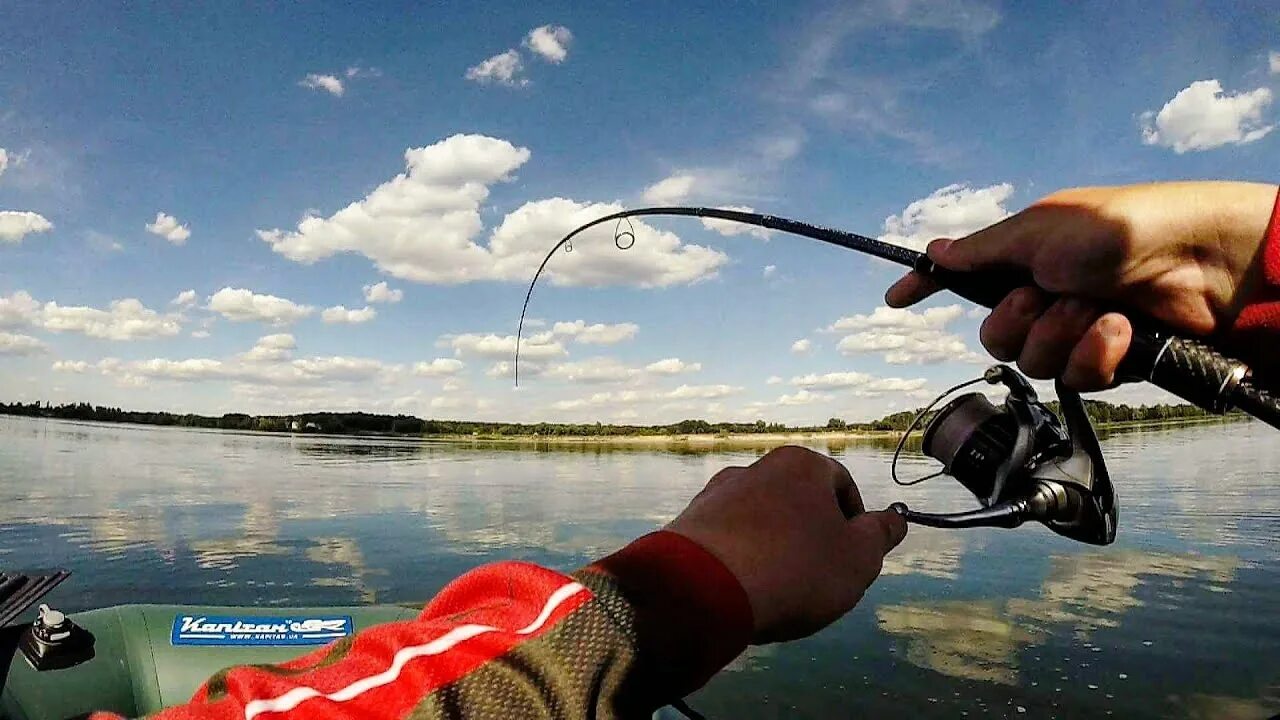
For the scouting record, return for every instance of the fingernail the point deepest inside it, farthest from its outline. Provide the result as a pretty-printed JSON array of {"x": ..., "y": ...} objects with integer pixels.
[
  {"x": 897, "y": 529},
  {"x": 939, "y": 247},
  {"x": 1112, "y": 326}
]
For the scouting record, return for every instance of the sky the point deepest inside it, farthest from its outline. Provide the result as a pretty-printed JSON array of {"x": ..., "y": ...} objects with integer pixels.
[{"x": 278, "y": 208}]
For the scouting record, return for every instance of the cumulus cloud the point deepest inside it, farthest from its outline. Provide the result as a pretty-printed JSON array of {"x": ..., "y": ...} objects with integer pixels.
[
  {"x": 670, "y": 190},
  {"x": 859, "y": 384},
  {"x": 671, "y": 366},
  {"x": 773, "y": 380},
  {"x": 701, "y": 392},
  {"x": 169, "y": 228},
  {"x": 952, "y": 211},
  {"x": 439, "y": 367},
  {"x": 272, "y": 348},
  {"x": 186, "y": 298},
  {"x": 631, "y": 397},
  {"x": 802, "y": 346},
  {"x": 241, "y": 305},
  {"x": 1273, "y": 62},
  {"x": 904, "y": 336},
  {"x": 15, "y": 225},
  {"x": 1202, "y": 117},
  {"x": 541, "y": 346},
  {"x": 14, "y": 344},
  {"x": 18, "y": 310},
  {"x": 899, "y": 319},
  {"x": 597, "y": 334},
  {"x": 327, "y": 83},
  {"x": 422, "y": 226},
  {"x": 71, "y": 366},
  {"x": 419, "y": 225},
  {"x": 591, "y": 371},
  {"x": 729, "y": 228},
  {"x": 657, "y": 259},
  {"x": 549, "y": 42},
  {"x": 505, "y": 68},
  {"x": 382, "y": 293},
  {"x": 769, "y": 271},
  {"x": 4, "y": 160},
  {"x": 340, "y": 315},
  {"x": 126, "y": 319},
  {"x": 801, "y": 397}
]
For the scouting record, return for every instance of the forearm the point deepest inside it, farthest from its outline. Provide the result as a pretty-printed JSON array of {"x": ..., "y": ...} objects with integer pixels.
[{"x": 617, "y": 639}]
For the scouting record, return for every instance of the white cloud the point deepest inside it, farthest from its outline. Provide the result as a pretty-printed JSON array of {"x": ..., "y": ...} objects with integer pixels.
[
  {"x": 199, "y": 334},
  {"x": 905, "y": 336},
  {"x": 439, "y": 367},
  {"x": 339, "y": 314},
  {"x": 382, "y": 293},
  {"x": 15, "y": 225},
  {"x": 4, "y": 160},
  {"x": 240, "y": 305},
  {"x": 1202, "y": 117},
  {"x": 550, "y": 42},
  {"x": 701, "y": 392},
  {"x": 328, "y": 83},
  {"x": 922, "y": 347},
  {"x": 598, "y": 334},
  {"x": 728, "y": 228},
  {"x": 185, "y": 298},
  {"x": 13, "y": 344},
  {"x": 670, "y": 190},
  {"x": 802, "y": 346},
  {"x": 657, "y": 259},
  {"x": 1273, "y": 62},
  {"x": 419, "y": 225},
  {"x": 126, "y": 319},
  {"x": 802, "y": 397},
  {"x": 272, "y": 348},
  {"x": 422, "y": 224},
  {"x": 952, "y": 211},
  {"x": 259, "y": 371},
  {"x": 505, "y": 68},
  {"x": 770, "y": 270},
  {"x": 860, "y": 384},
  {"x": 773, "y": 380},
  {"x": 169, "y": 228},
  {"x": 591, "y": 371},
  {"x": 671, "y": 366},
  {"x": 19, "y": 310},
  {"x": 899, "y": 319},
  {"x": 71, "y": 366},
  {"x": 535, "y": 347}
]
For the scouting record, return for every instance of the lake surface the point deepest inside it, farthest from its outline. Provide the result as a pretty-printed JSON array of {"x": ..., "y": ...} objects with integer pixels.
[{"x": 1180, "y": 618}]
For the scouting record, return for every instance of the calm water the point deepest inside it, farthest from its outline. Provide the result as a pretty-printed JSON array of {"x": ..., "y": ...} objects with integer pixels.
[{"x": 1180, "y": 618}]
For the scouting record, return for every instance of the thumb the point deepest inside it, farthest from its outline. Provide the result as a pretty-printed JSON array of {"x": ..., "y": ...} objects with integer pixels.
[
  {"x": 1008, "y": 242},
  {"x": 872, "y": 535}
]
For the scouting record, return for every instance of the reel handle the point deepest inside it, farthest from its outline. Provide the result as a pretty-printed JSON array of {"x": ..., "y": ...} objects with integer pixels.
[
  {"x": 1005, "y": 515},
  {"x": 1191, "y": 369}
]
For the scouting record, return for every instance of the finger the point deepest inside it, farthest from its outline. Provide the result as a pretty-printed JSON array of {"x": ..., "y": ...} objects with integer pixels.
[
  {"x": 872, "y": 536},
  {"x": 850, "y": 499},
  {"x": 1008, "y": 242},
  {"x": 1005, "y": 330},
  {"x": 1093, "y": 362},
  {"x": 1052, "y": 337},
  {"x": 720, "y": 478},
  {"x": 910, "y": 289}
]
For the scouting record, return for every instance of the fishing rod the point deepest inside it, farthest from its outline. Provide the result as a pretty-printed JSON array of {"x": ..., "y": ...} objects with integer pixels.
[{"x": 1190, "y": 368}]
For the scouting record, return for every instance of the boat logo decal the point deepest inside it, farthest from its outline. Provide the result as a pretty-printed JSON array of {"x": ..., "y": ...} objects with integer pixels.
[{"x": 258, "y": 630}]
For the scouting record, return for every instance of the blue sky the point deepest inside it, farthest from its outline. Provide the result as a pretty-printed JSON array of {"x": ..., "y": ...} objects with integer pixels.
[{"x": 507, "y": 124}]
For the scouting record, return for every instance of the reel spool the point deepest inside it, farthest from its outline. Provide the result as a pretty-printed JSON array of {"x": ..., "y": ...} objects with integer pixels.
[{"x": 1019, "y": 459}]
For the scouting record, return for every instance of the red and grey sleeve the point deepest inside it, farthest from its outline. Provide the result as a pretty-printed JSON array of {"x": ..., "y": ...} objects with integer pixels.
[
  {"x": 617, "y": 639},
  {"x": 1258, "y": 325}
]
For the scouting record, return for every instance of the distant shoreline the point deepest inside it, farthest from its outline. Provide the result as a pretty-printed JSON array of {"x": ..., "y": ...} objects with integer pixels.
[{"x": 783, "y": 438}]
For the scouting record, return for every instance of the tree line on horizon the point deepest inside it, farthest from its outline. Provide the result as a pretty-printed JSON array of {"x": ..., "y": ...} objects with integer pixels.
[{"x": 360, "y": 423}]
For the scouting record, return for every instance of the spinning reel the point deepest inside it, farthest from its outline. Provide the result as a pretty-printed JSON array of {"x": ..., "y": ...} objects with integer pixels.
[{"x": 1020, "y": 460}]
